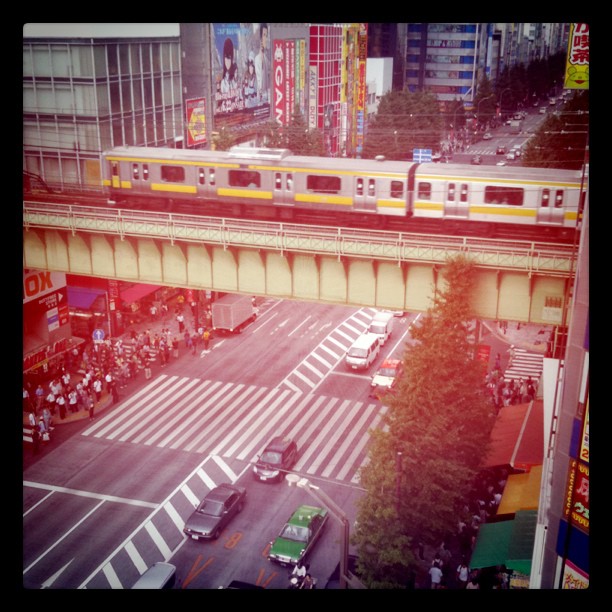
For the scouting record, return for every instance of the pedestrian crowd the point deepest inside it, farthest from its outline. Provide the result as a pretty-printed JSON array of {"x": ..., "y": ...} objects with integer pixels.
[
  {"x": 508, "y": 392},
  {"x": 449, "y": 568}
]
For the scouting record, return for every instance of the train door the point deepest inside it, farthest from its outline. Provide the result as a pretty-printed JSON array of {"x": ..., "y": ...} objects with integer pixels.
[
  {"x": 456, "y": 200},
  {"x": 283, "y": 188},
  {"x": 365, "y": 194},
  {"x": 550, "y": 207}
]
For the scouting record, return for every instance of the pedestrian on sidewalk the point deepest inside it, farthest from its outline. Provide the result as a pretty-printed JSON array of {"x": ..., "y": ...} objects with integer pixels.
[
  {"x": 511, "y": 354},
  {"x": 61, "y": 405},
  {"x": 73, "y": 399},
  {"x": 206, "y": 338},
  {"x": 463, "y": 574},
  {"x": 97, "y": 387},
  {"x": 113, "y": 391},
  {"x": 181, "y": 322},
  {"x": 40, "y": 395},
  {"x": 147, "y": 369},
  {"x": 32, "y": 419},
  {"x": 35, "y": 441},
  {"x": 191, "y": 345},
  {"x": 435, "y": 573},
  {"x": 90, "y": 406},
  {"x": 175, "y": 347}
]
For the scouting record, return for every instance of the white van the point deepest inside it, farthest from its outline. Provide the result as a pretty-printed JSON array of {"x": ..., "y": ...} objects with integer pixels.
[
  {"x": 382, "y": 326},
  {"x": 363, "y": 352}
]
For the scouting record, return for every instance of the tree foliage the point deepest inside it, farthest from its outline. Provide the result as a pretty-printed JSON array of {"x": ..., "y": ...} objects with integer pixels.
[
  {"x": 562, "y": 140},
  {"x": 439, "y": 418},
  {"x": 404, "y": 121}
]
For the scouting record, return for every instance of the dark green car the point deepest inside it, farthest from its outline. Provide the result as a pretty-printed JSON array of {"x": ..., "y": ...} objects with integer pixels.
[{"x": 298, "y": 536}]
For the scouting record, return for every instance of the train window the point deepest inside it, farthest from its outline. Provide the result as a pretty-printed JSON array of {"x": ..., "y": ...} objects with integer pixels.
[
  {"x": 244, "y": 178},
  {"x": 512, "y": 196},
  {"x": 545, "y": 198},
  {"x": 559, "y": 199},
  {"x": 278, "y": 183},
  {"x": 397, "y": 189},
  {"x": 290, "y": 182},
  {"x": 323, "y": 183},
  {"x": 145, "y": 172},
  {"x": 359, "y": 187},
  {"x": 451, "y": 192},
  {"x": 371, "y": 187},
  {"x": 424, "y": 191},
  {"x": 135, "y": 171},
  {"x": 173, "y": 174},
  {"x": 464, "y": 193},
  {"x": 201, "y": 176}
]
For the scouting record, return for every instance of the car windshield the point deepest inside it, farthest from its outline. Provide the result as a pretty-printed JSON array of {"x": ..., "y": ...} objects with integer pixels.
[
  {"x": 294, "y": 532},
  {"x": 358, "y": 352},
  {"x": 271, "y": 457},
  {"x": 387, "y": 372},
  {"x": 377, "y": 328},
  {"x": 211, "y": 508}
]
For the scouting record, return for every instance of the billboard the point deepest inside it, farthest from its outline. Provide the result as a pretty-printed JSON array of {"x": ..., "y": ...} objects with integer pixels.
[
  {"x": 577, "y": 64},
  {"x": 241, "y": 71},
  {"x": 195, "y": 111},
  {"x": 284, "y": 80}
]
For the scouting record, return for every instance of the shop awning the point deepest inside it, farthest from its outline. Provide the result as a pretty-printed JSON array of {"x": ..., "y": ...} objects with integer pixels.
[
  {"x": 517, "y": 438},
  {"x": 81, "y": 297},
  {"x": 136, "y": 292},
  {"x": 508, "y": 543},
  {"x": 522, "y": 492}
]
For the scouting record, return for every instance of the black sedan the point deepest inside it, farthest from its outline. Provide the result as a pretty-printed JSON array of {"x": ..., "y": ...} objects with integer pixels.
[{"x": 215, "y": 511}]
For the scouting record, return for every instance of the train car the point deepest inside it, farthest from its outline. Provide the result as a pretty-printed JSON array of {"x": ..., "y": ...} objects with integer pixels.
[{"x": 405, "y": 196}]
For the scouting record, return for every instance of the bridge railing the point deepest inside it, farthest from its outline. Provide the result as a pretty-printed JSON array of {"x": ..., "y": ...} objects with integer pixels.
[{"x": 543, "y": 258}]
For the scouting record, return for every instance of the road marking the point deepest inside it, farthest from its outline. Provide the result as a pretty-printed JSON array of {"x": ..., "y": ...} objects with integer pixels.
[
  {"x": 313, "y": 369},
  {"x": 136, "y": 558},
  {"x": 112, "y": 577},
  {"x": 328, "y": 350},
  {"x": 189, "y": 494},
  {"x": 103, "y": 498},
  {"x": 298, "y": 327},
  {"x": 175, "y": 517},
  {"x": 158, "y": 540},
  {"x": 325, "y": 363},
  {"x": 225, "y": 468}
]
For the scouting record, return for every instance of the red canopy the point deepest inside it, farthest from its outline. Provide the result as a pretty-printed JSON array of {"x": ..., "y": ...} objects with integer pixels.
[{"x": 517, "y": 438}]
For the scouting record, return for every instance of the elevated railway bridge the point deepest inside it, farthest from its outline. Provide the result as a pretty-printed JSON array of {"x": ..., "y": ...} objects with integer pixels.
[{"x": 522, "y": 281}]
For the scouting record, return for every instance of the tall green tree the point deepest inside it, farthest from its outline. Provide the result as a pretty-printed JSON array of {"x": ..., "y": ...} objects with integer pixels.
[
  {"x": 437, "y": 428},
  {"x": 404, "y": 121}
]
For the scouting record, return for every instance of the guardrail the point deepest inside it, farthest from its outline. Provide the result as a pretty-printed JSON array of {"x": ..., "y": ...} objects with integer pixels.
[{"x": 533, "y": 257}]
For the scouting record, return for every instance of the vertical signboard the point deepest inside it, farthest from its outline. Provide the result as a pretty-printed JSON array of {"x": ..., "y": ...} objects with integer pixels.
[
  {"x": 312, "y": 96},
  {"x": 195, "y": 114},
  {"x": 362, "y": 85},
  {"x": 279, "y": 85},
  {"x": 577, "y": 64}
]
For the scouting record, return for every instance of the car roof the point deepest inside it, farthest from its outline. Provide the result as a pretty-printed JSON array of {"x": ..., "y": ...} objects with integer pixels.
[
  {"x": 221, "y": 492},
  {"x": 279, "y": 443},
  {"x": 303, "y": 515},
  {"x": 390, "y": 363}
]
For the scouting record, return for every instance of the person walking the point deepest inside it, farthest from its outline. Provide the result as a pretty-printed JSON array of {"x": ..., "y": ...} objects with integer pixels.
[
  {"x": 90, "y": 406},
  {"x": 463, "y": 574},
  {"x": 97, "y": 387},
  {"x": 435, "y": 573},
  {"x": 206, "y": 338},
  {"x": 61, "y": 405}
]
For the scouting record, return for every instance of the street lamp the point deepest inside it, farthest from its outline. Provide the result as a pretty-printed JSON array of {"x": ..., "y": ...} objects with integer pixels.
[
  {"x": 347, "y": 578},
  {"x": 501, "y": 101}
]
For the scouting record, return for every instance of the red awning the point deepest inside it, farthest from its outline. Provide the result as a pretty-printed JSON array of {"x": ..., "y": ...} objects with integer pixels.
[
  {"x": 517, "y": 438},
  {"x": 136, "y": 292}
]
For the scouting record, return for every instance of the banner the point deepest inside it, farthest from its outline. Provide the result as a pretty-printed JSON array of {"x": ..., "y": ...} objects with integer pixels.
[{"x": 577, "y": 64}]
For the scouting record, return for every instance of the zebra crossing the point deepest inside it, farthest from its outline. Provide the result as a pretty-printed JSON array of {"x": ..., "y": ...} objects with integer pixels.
[
  {"x": 235, "y": 421},
  {"x": 311, "y": 371},
  {"x": 525, "y": 364}
]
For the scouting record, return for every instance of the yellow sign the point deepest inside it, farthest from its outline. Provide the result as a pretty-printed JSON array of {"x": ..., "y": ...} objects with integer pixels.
[{"x": 577, "y": 64}]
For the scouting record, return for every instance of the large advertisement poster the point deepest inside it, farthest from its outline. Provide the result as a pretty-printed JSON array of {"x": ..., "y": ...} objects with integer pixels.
[
  {"x": 242, "y": 72},
  {"x": 195, "y": 110}
]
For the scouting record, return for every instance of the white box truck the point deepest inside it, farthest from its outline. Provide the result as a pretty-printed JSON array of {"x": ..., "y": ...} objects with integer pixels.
[
  {"x": 382, "y": 325},
  {"x": 232, "y": 312}
]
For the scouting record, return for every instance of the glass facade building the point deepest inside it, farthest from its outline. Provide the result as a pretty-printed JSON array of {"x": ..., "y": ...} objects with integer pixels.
[{"x": 81, "y": 96}]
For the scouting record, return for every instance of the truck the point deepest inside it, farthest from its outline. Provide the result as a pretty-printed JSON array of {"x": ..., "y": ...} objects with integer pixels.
[
  {"x": 232, "y": 312},
  {"x": 515, "y": 126}
]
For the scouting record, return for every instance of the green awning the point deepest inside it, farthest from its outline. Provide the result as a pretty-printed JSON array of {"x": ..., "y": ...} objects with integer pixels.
[
  {"x": 492, "y": 544},
  {"x": 508, "y": 543}
]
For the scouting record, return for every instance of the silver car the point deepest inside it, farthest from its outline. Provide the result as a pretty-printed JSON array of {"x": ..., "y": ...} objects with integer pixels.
[{"x": 215, "y": 511}]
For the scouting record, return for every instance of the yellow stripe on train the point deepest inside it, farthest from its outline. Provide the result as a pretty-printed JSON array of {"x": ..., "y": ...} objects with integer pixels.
[
  {"x": 171, "y": 188},
  {"x": 245, "y": 193},
  {"x": 314, "y": 198}
]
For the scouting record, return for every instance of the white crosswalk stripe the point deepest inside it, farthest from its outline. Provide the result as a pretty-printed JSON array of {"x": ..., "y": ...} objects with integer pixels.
[
  {"x": 235, "y": 421},
  {"x": 525, "y": 364}
]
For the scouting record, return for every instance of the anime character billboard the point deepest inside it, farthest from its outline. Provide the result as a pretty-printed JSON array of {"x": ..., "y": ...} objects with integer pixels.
[{"x": 241, "y": 69}]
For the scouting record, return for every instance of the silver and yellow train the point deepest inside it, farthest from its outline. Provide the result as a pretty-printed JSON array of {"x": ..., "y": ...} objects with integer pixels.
[{"x": 274, "y": 184}]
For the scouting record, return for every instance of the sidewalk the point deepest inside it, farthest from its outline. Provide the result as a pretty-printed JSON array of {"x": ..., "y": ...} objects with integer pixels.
[
  {"x": 530, "y": 336},
  {"x": 155, "y": 327}
]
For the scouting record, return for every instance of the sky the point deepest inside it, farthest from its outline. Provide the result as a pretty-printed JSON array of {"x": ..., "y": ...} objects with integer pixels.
[{"x": 93, "y": 30}]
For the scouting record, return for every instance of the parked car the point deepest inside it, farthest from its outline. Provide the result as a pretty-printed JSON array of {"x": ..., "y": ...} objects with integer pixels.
[
  {"x": 215, "y": 512},
  {"x": 159, "y": 576},
  {"x": 487, "y": 136},
  {"x": 277, "y": 458},
  {"x": 501, "y": 150},
  {"x": 510, "y": 156},
  {"x": 299, "y": 535},
  {"x": 476, "y": 160},
  {"x": 386, "y": 376}
]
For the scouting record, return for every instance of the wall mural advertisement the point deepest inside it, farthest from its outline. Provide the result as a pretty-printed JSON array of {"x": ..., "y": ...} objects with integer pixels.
[{"x": 241, "y": 66}]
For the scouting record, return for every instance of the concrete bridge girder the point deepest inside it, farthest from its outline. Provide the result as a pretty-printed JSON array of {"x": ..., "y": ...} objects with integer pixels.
[{"x": 359, "y": 281}]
